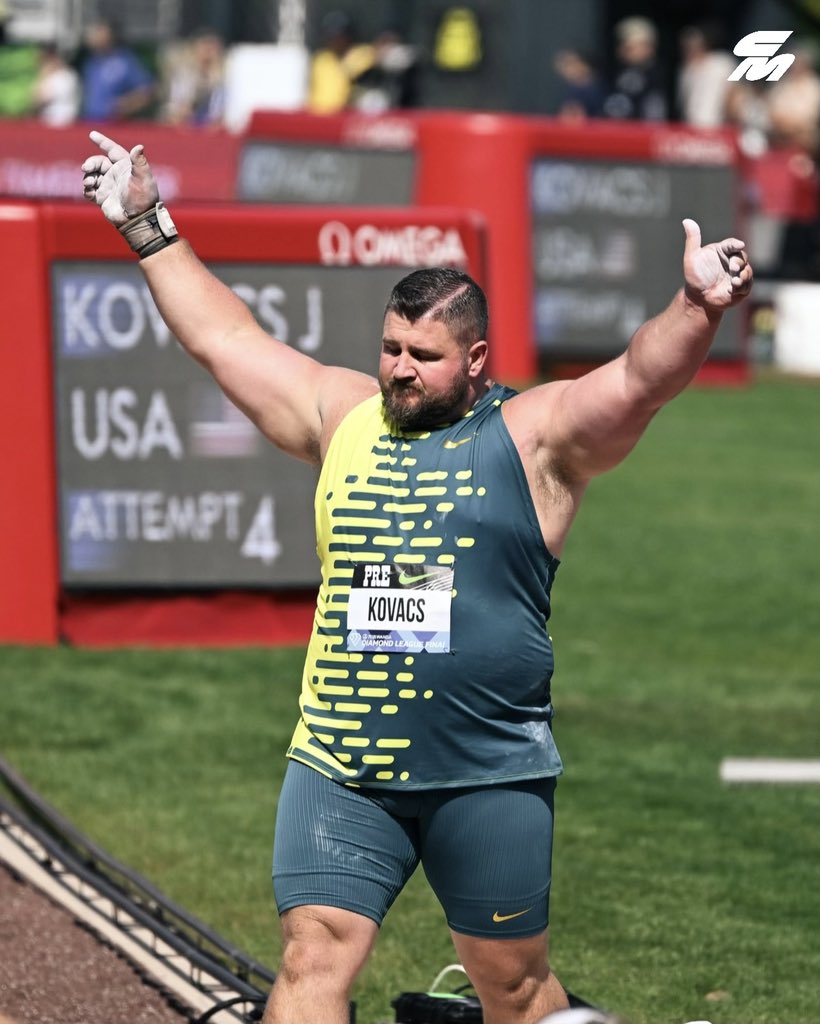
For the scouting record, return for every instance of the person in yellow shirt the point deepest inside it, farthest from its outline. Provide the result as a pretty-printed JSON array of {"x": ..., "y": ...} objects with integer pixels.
[{"x": 336, "y": 67}]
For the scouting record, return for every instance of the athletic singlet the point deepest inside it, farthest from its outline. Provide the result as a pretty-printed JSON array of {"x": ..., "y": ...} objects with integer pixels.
[{"x": 429, "y": 664}]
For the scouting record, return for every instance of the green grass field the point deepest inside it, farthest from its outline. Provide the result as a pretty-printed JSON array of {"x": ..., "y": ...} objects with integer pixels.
[{"x": 685, "y": 621}]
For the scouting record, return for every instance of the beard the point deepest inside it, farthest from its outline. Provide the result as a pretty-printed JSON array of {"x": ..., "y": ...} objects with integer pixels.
[{"x": 409, "y": 408}]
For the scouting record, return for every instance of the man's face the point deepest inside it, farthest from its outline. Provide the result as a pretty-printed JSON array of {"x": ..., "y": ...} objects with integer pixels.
[
  {"x": 637, "y": 50},
  {"x": 98, "y": 36},
  {"x": 424, "y": 373}
]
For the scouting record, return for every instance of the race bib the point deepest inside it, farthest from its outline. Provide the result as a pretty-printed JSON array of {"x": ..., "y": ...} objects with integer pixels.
[{"x": 395, "y": 609}]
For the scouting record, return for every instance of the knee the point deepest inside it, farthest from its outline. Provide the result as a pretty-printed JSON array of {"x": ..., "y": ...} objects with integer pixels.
[
  {"x": 317, "y": 951},
  {"x": 304, "y": 960},
  {"x": 514, "y": 988},
  {"x": 512, "y": 985},
  {"x": 309, "y": 951}
]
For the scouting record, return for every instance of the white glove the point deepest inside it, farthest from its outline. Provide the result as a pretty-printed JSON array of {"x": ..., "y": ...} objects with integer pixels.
[{"x": 119, "y": 181}]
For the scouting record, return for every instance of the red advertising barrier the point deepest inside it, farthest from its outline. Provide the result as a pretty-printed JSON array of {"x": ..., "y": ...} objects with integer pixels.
[
  {"x": 783, "y": 183},
  {"x": 37, "y": 161},
  {"x": 140, "y": 506},
  {"x": 583, "y": 219},
  {"x": 28, "y": 539}
]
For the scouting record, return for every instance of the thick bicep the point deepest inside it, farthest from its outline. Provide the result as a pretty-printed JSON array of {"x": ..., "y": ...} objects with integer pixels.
[
  {"x": 283, "y": 391},
  {"x": 583, "y": 427},
  {"x": 280, "y": 389}
]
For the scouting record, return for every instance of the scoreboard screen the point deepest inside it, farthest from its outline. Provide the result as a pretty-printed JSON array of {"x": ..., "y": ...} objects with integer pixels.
[
  {"x": 287, "y": 172},
  {"x": 605, "y": 252},
  {"x": 161, "y": 480}
]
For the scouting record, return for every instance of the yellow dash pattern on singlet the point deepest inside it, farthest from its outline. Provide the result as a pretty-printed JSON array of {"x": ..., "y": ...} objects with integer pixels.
[{"x": 380, "y": 498}]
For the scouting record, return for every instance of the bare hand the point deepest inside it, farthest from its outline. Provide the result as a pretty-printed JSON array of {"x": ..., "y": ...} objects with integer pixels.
[
  {"x": 718, "y": 275},
  {"x": 119, "y": 181}
]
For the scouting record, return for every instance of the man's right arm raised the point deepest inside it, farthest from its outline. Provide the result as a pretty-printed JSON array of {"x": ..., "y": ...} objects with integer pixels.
[{"x": 294, "y": 400}]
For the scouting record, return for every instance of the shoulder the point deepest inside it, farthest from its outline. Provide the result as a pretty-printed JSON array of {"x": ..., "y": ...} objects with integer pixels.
[
  {"x": 536, "y": 422},
  {"x": 342, "y": 391},
  {"x": 527, "y": 412}
]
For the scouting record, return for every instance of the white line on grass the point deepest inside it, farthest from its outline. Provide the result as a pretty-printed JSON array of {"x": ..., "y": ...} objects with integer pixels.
[{"x": 769, "y": 769}]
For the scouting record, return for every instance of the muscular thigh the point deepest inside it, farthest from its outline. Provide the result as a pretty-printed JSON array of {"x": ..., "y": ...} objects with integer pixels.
[
  {"x": 487, "y": 853},
  {"x": 336, "y": 847}
]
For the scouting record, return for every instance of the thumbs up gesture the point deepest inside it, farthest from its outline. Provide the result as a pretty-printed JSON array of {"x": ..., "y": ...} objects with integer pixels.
[
  {"x": 718, "y": 275},
  {"x": 119, "y": 181}
]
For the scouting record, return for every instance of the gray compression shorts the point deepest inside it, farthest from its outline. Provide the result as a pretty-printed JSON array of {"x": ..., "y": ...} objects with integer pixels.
[{"x": 486, "y": 850}]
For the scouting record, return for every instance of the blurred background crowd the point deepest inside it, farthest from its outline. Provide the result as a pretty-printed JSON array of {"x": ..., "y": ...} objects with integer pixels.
[
  {"x": 208, "y": 64},
  {"x": 180, "y": 62}
]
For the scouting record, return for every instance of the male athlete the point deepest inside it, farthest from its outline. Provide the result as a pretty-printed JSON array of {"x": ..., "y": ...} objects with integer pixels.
[{"x": 442, "y": 507}]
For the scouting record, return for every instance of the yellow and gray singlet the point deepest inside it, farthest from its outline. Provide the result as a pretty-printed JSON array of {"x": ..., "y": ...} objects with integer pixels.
[{"x": 430, "y": 662}]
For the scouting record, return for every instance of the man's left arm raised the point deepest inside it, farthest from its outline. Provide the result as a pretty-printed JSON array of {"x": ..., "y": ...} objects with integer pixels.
[{"x": 577, "y": 429}]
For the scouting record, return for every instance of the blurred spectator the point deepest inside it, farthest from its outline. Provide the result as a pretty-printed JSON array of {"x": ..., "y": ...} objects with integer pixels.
[
  {"x": 57, "y": 90},
  {"x": 794, "y": 105},
  {"x": 637, "y": 90},
  {"x": 794, "y": 126},
  {"x": 747, "y": 108},
  {"x": 337, "y": 66},
  {"x": 116, "y": 84},
  {"x": 19, "y": 64},
  {"x": 703, "y": 78},
  {"x": 583, "y": 91},
  {"x": 391, "y": 81},
  {"x": 195, "y": 81}
]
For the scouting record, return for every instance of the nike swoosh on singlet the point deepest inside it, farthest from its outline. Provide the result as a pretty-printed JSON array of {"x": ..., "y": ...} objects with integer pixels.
[
  {"x": 456, "y": 444},
  {"x": 404, "y": 578},
  {"x": 498, "y": 918}
]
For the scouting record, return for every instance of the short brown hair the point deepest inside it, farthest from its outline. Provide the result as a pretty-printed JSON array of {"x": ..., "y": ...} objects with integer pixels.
[{"x": 444, "y": 294}]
